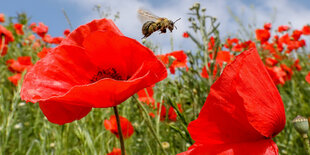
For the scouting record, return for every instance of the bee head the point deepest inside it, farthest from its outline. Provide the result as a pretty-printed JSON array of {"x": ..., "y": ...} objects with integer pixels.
[{"x": 171, "y": 24}]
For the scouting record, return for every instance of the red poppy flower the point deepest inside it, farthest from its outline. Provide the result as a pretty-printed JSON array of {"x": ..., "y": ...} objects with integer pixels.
[
  {"x": 231, "y": 42},
  {"x": 297, "y": 65},
  {"x": 22, "y": 63},
  {"x": 111, "y": 125},
  {"x": 185, "y": 35},
  {"x": 277, "y": 74},
  {"x": 296, "y": 34},
  {"x": 308, "y": 78},
  {"x": 267, "y": 26},
  {"x": 41, "y": 29},
  {"x": 32, "y": 26},
  {"x": 163, "y": 111},
  {"x": 66, "y": 32},
  {"x": 204, "y": 73},
  {"x": 43, "y": 52},
  {"x": 103, "y": 72},
  {"x": 2, "y": 18},
  {"x": 262, "y": 35},
  {"x": 172, "y": 115},
  {"x": 288, "y": 71},
  {"x": 57, "y": 40},
  {"x": 15, "y": 78},
  {"x": 146, "y": 96},
  {"x": 6, "y": 35},
  {"x": 242, "y": 112},
  {"x": 211, "y": 43},
  {"x": 152, "y": 115},
  {"x": 179, "y": 60},
  {"x": 19, "y": 29},
  {"x": 271, "y": 61},
  {"x": 306, "y": 30},
  {"x": 221, "y": 57},
  {"x": 115, "y": 151},
  {"x": 283, "y": 28}
]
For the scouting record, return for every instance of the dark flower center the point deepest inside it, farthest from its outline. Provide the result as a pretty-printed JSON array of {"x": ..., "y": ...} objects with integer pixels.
[{"x": 107, "y": 73}]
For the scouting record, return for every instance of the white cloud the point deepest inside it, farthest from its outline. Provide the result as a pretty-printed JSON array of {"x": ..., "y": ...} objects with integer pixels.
[{"x": 131, "y": 26}]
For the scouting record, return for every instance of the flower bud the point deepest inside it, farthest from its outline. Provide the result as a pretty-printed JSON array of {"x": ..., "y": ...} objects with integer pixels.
[{"x": 301, "y": 124}]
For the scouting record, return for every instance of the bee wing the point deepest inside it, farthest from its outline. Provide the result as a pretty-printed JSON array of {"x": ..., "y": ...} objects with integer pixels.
[{"x": 144, "y": 16}]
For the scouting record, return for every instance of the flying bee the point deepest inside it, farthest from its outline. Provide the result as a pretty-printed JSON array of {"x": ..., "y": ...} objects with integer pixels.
[{"x": 155, "y": 23}]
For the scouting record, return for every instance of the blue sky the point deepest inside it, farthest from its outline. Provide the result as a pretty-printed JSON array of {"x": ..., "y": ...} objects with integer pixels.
[{"x": 81, "y": 11}]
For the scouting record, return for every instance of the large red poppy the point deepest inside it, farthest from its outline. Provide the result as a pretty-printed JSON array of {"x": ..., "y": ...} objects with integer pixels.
[
  {"x": 126, "y": 126},
  {"x": 242, "y": 113},
  {"x": 94, "y": 67}
]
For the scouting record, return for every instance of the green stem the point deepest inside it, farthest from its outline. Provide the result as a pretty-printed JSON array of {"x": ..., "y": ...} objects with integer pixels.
[
  {"x": 306, "y": 142},
  {"x": 119, "y": 128},
  {"x": 148, "y": 123}
]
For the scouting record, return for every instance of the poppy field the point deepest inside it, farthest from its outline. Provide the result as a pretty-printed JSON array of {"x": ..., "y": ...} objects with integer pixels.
[{"x": 96, "y": 91}]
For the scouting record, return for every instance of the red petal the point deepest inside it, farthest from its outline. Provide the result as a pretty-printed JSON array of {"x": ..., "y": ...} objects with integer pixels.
[
  {"x": 243, "y": 105},
  {"x": 61, "y": 113},
  {"x": 55, "y": 74},
  {"x": 78, "y": 36},
  {"x": 262, "y": 147},
  {"x": 125, "y": 54}
]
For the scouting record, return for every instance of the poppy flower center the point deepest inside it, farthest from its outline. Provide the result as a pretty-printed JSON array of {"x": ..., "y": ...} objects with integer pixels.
[{"x": 107, "y": 73}]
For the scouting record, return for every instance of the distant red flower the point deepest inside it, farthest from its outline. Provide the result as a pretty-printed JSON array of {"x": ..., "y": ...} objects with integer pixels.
[
  {"x": 43, "y": 52},
  {"x": 204, "y": 73},
  {"x": 92, "y": 68},
  {"x": 66, "y": 32},
  {"x": 172, "y": 115},
  {"x": 230, "y": 42},
  {"x": 288, "y": 71},
  {"x": 185, "y": 35},
  {"x": 297, "y": 65},
  {"x": 242, "y": 112},
  {"x": 283, "y": 28},
  {"x": 277, "y": 74},
  {"x": 33, "y": 26},
  {"x": 308, "y": 78},
  {"x": 17, "y": 66},
  {"x": 19, "y": 29},
  {"x": 15, "y": 78},
  {"x": 179, "y": 60},
  {"x": 57, "y": 40},
  {"x": 271, "y": 61},
  {"x": 267, "y": 26},
  {"x": 152, "y": 115},
  {"x": 221, "y": 57},
  {"x": 296, "y": 34},
  {"x": 146, "y": 96},
  {"x": 111, "y": 125},
  {"x": 6, "y": 37},
  {"x": 306, "y": 30},
  {"x": 115, "y": 151},
  {"x": 285, "y": 39},
  {"x": 163, "y": 111},
  {"x": 2, "y": 18},
  {"x": 211, "y": 43},
  {"x": 41, "y": 29},
  {"x": 262, "y": 35}
]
